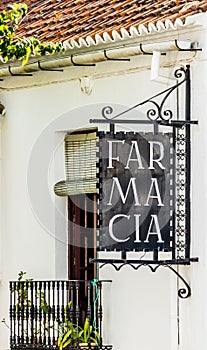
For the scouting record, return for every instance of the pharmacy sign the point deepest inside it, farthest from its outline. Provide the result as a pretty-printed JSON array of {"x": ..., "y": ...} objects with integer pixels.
[{"x": 135, "y": 191}]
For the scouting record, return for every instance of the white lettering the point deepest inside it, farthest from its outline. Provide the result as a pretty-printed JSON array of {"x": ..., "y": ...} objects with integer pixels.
[
  {"x": 137, "y": 224},
  {"x": 152, "y": 153},
  {"x": 138, "y": 157},
  {"x": 111, "y": 222},
  {"x": 111, "y": 142},
  {"x": 154, "y": 221},
  {"x": 124, "y": 198},
  {"x": 158, "y": 196}
]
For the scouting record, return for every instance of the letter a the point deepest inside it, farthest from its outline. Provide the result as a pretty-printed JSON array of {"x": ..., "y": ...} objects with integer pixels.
[
  {"x": 158, "y": 196},
  {"x": 138, "y": 157},
  {"x": 154, "y": 221}
]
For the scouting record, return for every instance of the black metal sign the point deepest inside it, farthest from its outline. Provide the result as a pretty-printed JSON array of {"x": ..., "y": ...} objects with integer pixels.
[
  {"x": 145, "y": 185},
  {"x": 135, "y": 191}
]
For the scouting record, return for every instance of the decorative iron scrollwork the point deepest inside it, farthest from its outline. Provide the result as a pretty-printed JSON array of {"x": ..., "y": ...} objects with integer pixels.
[
  {"x": 183, "y": 293},
  {"x": 180, "y": 72},
  {"x": 180, "y": 194},
  {"x": 181, "y": 169},
  {"x": 158, "y": 113},
  {"x": 181, "y": 139},
  {"x": 106, "y": 111},
  {"x": 180, "y": 184}
]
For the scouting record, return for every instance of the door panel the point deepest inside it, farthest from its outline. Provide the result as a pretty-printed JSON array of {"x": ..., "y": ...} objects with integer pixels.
[{"x": 82, "y": 219}]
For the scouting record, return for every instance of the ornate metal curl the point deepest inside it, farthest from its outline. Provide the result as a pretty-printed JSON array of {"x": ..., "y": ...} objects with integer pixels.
[
  {"x": 183, "y": 293},
  {"x": 181, "y": 184},
  {"x": 181, "y": 139},
  {"x": 106, "y": 111},
  {"x": 180, "y": 214},
  {"x": 181, "y": 170},
  {"x": 180, "y": 72},
  {"x": 153, "y": 114},
  {"x": 166, "y": 115},
  {"x": 159, "y": 113}
]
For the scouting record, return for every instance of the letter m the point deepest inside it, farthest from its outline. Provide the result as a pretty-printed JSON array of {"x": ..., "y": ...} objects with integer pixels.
[{"x": 119, "y": 188}]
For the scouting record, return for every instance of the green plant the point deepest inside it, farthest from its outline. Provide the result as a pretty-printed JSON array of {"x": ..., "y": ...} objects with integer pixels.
[
  {"x": 23, "y": 304},
  {"x": 14, "y": 48},
  {"x": 88, "y": 334},
  {"x": 68, "y": 332},
  {"x": 69, "y": 336},
  {"x": 22, "y": 290},
  {"x": 73, "y": 334}
]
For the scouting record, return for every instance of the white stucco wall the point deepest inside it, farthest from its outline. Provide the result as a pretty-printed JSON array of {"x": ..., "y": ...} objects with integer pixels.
[{"x": 141, "y": 306}]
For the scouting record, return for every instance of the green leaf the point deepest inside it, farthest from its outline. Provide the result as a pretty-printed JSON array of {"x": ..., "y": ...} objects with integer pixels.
[
  {"x": 12, "y": 47},
  {"x": 67, "y": 334},
  {"x": 60, "y": 340},
  {"x": 66, "y": 343}
]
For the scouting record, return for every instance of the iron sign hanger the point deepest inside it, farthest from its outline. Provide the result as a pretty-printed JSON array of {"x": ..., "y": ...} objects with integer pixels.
[{"x": 159, "y": 116}]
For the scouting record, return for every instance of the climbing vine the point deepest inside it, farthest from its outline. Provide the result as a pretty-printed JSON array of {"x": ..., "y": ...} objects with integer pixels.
[{"x": 14, "y": 48}]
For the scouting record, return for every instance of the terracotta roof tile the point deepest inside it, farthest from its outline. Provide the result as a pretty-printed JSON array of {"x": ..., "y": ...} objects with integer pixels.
[{"x": 61, "y": 20}]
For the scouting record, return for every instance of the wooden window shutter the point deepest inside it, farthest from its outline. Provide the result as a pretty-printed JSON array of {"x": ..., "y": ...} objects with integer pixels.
[{"x": 80, "y": 165}]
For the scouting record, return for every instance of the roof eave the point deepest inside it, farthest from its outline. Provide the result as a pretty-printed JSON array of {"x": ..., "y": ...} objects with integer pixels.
[{"x": 118, "y": 45}]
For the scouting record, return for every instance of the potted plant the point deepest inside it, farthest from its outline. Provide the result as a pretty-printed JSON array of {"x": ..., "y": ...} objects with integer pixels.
[
  {"x": 73, "y": 336},
  {"x": 68, "y": 336},
  {"x": 88, "y": 337}
]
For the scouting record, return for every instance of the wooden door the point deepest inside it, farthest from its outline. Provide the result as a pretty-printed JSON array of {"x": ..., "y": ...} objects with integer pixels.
[{"x": 82, "y": 220}]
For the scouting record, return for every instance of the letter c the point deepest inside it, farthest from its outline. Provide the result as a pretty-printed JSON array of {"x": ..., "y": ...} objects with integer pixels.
[{"x": 111, "y": 228}]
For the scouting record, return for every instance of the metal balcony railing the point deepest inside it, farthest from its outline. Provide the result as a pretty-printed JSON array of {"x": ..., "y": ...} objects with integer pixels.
[{"x": 56, "y": 314}]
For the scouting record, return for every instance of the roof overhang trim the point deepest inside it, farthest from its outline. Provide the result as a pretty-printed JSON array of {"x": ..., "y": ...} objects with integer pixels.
[
  {"x": 123, "y": 35},
  {"x": 95, "y": 56}
]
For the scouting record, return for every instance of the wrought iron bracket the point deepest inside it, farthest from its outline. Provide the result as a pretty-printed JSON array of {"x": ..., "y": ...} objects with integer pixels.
[
  {"x": 19, "y": 75},
  {"x": 115, "y": 59},
  {"x": 183, "y": 293},
  {"x": 179, "y": 123},
  {"x": 157, "y": 114},
  {"x": 173, "y": 123},
  {"x": 191, "y": 49},
  {"x": 81, "y": 64},
  {"x": 148, "y": 53},
  {"x": 48, "y": 69}
]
